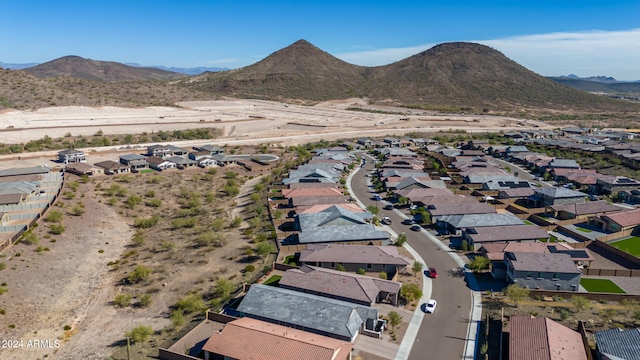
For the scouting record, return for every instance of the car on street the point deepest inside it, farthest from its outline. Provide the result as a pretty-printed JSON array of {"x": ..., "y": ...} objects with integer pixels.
[
  {"x": 386, "y": 220},
  {"x": 433, "y": 273},
  {"x": 429, "y": 306},
  {"x": 416, "y": 227},
  {"x": 376, "y": 197},
  {"x": 407, "y": 222},
  {"x": 388, "y": 207}
]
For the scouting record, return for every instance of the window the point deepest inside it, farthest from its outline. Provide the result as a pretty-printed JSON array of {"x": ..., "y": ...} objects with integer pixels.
[
  {"x": 555, "y": 276},
  {"x": 333, "y": 264},
  {"x": 368, "y": 266},
  {"x": 529, "y": 275},
  {"x": 539, "y": 275}
]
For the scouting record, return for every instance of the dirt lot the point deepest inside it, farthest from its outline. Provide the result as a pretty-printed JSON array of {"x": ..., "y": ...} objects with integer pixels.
[{"x": 69, "y": 281}]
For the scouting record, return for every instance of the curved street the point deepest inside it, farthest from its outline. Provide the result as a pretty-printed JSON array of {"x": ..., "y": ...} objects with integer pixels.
[{"x": 444, "y": 334}]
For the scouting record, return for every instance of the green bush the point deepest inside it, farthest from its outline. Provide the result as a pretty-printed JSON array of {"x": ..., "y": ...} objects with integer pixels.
[
  {"x": 139, "y": 273},
  {"x": 145, "y": 223},
  {"x": 145, "y": 300},
  {"x": 191, "y": 303},
  {"x": 410, "y": 292},
  {"x": 56, "y": 229},
  {"x": 139, "y": 333},
  {"x": 122, "y": 300},
  {"x": 54, "y": 216}
]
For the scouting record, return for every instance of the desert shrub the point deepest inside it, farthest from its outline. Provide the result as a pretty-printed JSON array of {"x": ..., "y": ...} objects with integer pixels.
[
  {"x": 410, "y": 292},
  {"x": 145, "y": 223},
  {"x": 122, "y": 300},
  {"x": 191, "y": 303},
  {"x": 145, "y": 300},
  {"x": 54, "y": 216},
  {"x": 180, "y": 223},
  {"x": 155, "y": 202},
  {"x": 211, "y": 238},
  {"x": 139, "y": 333},
  {"x": 56, "y": 229},
  {"x": 249, "y": 268},
  {"x": 139, "y": 273},
  {"x": 78, "y": 211},
  {"x": 30, "y": 238}
]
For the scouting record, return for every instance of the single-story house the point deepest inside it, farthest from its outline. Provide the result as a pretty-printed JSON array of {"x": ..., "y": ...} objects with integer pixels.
[
  {"x": 247, "y": 338},
  {"x": 82, "y": 168},
  {"x": 354, "y": 257},
  {"x": 336, "y": 224},
  {"x": 111, "y": 167},
  {"x": 549, "y": 196},
  {"x": 617, "y": 344},
  {"x": 159, "y": 164},
  {"x": 543, "y": 339},
  {"x": 620, "y": 221},
  {"x": 583, "y": 210},
  {"x": 341, "y": 285},
  {"x": 614, "y": 184},
  {"x": 316, "y": 314},
  {"x": 181, "y": 162},
  {"x": 479, "y": 236},
  {"x": 456, "y": 223}
]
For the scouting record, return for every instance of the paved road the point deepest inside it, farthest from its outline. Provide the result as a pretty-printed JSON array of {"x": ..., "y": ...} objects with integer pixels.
[{"x": 442, "y": 335}]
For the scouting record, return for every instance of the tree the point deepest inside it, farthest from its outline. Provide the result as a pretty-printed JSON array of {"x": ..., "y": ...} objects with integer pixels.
[
  {"x": 479, "y": 263},
  {"x": 402, "y": 239},
  {"x": 373, "y": 209},
  {"x": 394, "y": 319},
  {"x": 410, "y": 292},
  {"x": 417, "y": 267},
  {"x": 139, "y": 333},
  {"x": 580, "y": 303},
  {"x": 264, "y": 248},
  {"x": 516, "y": 293}
]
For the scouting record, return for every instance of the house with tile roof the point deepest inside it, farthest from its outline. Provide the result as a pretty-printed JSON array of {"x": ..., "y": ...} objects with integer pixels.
[
  {"x": 617, "y": 344},
  {"x": 336, "y": 224},
  {"x": 341, "y": 285},
  {"x": 354, "y": 257},
  {"x": 583, "y": 209},
  {"x": 111, "y": 167},
  {"x": 454, "y": 224},
  {"x": 546, "y": 271},
  {"x": 532, "y": 338},
  {"x": 549, "y": 196},
  {"x": 166, "y": 150},
  {"x": 476, "y": 237},
  {"x": 563, "y": 164},
  {"x": 316, "y": 314},
  {"x": 620, "y": 221},
  {"x": 247, "y": 338},
  {"x": 613, "y": 184},
  {"x": 84, "y": 168}
]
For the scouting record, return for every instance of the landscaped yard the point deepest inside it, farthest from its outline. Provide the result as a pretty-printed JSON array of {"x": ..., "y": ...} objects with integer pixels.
[
  {"x": 601, "y": 286},
  {"x": 583, "y": 229},
  {"x": 629, "y": 245}
]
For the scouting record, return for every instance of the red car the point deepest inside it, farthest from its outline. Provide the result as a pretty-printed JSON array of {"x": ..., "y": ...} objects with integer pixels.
[{"x": 433, "y": 273}]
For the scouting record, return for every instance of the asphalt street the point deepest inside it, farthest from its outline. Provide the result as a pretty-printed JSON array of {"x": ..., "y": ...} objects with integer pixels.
[{"x": 443, "y": 334}]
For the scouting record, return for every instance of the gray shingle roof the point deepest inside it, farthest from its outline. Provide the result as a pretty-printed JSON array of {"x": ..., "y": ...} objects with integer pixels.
[
  {"x": 480, "y": 220},
  {"x": 624, "y": 344},
  {"x": 559, "y": 192},
  {"x": 337, "y": 224},
  {"x": 556, "y": 262},
  {"x": 314, "y": 313},
  {"x": 354, "y": 254}
]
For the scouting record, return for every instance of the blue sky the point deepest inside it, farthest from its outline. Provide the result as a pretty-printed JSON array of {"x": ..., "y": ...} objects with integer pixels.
[{"x": 550, "y": 37}]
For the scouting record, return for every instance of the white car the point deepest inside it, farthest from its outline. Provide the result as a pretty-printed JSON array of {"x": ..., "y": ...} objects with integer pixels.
[{"x": 430, "y": 306}]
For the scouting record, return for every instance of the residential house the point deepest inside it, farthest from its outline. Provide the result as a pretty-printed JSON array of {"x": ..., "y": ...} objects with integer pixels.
[
  {"x": 316, "y": 175},
  {"x": 620, "y": 221},
  {"x": 618, "y": 344},
  {"x": 479, "y": 236},
  {"x": 415, "y": 183},
  {"x": 335, "y": 195},
  {"x": 463, "y": 208},
  {"x": 501, "y": 185},
  {"x": 495, "y": 251},
  {"x": 392, "y": 141},
  {"x": 81, "y": 168},
  {"x": 515, "y": 193},
  {"x": 181, "y": 162},
  {"x": 166, "y": 150},
  {"x": 366, "y": 142},
  {"x": 247, "y": 338},
  {"x": 454, "y": 224},
  {"x": 316, "y": 314},
  {"x": 211, "y": 149},
  {"x": 630, "y": 196},
  {"x": 613, "y": 184},
  {"x": 336, "y": 224},
  {"x": 353, "y": 257},
  {"x": 552, "y": 271},
  {"x": 583, "y": 210},
  {"x": 532, "y": 338},
  {"x": 12, "y": 199},
  {"x": 563, "y": 164},
  {"x": 71, "y": 156},
  {"x": 549, "y": 196},
  {"x": 111, "y": 167},
  {"x": 341, "y": 285},
  {"x": 159, "y": 164},
  {"x": 134, "y": 161}
]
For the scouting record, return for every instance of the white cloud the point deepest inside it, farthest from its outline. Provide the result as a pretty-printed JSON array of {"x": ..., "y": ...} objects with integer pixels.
[{"x": 610, "y": 53}]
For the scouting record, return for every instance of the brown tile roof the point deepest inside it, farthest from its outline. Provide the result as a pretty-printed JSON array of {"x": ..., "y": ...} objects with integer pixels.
[
  {"x": 535, "y": 262},
  {"x": 355, "y": 254},
  {"x": 247, "y": 338},
  {"x": 462, "y": 208},
  {"x": 318, "y": 200},
  {"x": 110, "y": 165},
  {"x": 498, "y": 233},
  {"x": 495, "y": 251},
  {"x": 516, "y": 193},
  {"x": 317, "y": 208},
  {"x": 6, "y": 199},
  {"x": 590, "y": 207},
  {"x": 337, "y": 284},
  {"x": 311, "y": 192},
  {"x": 625, "y": 218},
  {"x": 533, "y": 338}
]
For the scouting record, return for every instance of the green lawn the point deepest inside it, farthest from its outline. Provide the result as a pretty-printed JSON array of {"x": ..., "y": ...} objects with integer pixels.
[
  {"x": 584, "y": 230},
  {"x": 630, "y": 245},
  {"x": 601, "y": 286},
  {"x": 274, "y": 280}
]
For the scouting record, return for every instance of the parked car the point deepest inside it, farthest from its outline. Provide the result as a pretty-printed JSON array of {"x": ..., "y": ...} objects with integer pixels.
[
  {"x": 386, "y": 220},
  {"x": 413, "y": 207},
  {"x": 433, "y": 273},
  {"x": 430, "y": 306},
  {"x": 388, "y": 207},
  {"x": 376, "y": 197},
  {"x": 416, "y": 227},
  {"x": 407, "y": 222}
]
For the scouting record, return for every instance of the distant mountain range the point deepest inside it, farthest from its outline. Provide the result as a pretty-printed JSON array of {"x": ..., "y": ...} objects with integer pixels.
[
  {"x": 181, "y": 70},
  {"x": 449, "y": 77},
  {"x": 599, "y": 84}
]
